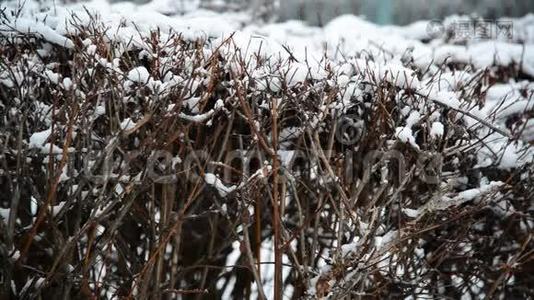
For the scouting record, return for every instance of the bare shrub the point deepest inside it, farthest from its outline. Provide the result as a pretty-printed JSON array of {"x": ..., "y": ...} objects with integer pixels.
[{"x": 174, "y": 167}]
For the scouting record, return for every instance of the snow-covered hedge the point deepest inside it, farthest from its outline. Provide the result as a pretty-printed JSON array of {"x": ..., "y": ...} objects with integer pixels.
[{"x": 169, "y": 157}]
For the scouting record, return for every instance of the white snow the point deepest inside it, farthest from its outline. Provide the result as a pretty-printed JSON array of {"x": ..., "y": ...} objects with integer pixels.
[
  {"x": 91, "y": 49},
  {"x": 214, "y": 181},
  {"x": 405, "y": 135},
  {"x": 127, "y": 124},
  {"x": 4, "y": 213},
  {"x": 38, "y": 139},
  {"x": 413, "y": 118},
  {"x": 139, "y": 75},
  {"x": 200, "y": 118},
  {"x": 437, "y": 129},
  {"x": 412, "y": 213},
  {"x": 52, "y": 76},
  {"x": 67, "y": 83},
  {"x": 510, "y": 157},
  {"x": 27, "y": 25},
  {"x": 473, "y": 193},
  {"x": 445, "y": 98},
  {"x": 57, "y": 208},
  {"x": 447, "y": 201}
]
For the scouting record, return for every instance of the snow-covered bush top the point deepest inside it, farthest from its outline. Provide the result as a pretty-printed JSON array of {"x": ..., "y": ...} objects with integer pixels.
[{"x": 385, "y": 155}]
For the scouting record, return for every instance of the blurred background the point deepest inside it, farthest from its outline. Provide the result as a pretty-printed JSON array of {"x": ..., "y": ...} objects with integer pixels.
[{"x": 319, "y": 12}]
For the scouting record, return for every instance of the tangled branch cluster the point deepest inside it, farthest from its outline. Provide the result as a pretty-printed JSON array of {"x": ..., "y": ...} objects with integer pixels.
[{"x": 165, "y": 166}]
